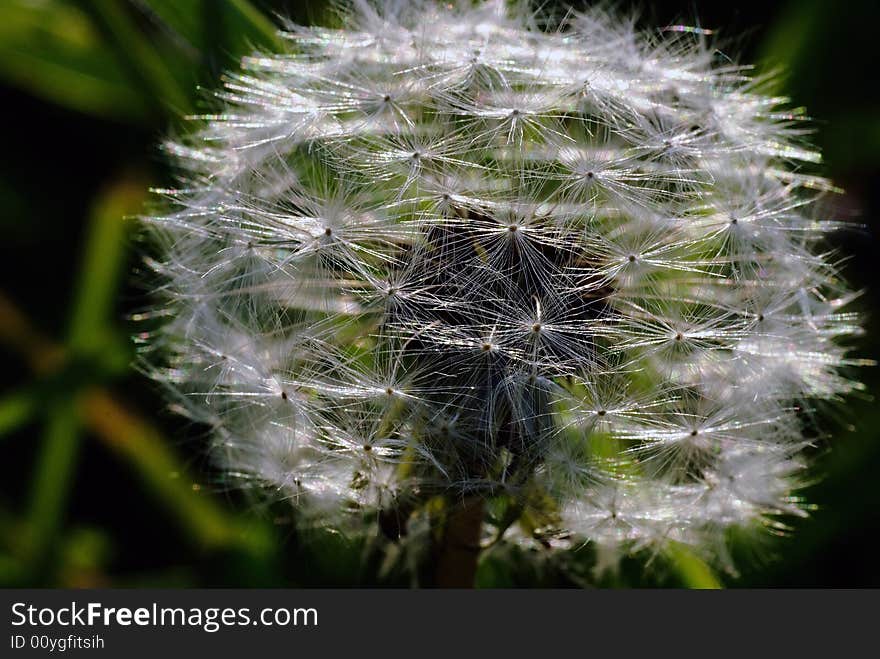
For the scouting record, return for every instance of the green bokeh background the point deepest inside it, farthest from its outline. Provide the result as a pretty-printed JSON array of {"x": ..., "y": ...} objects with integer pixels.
[{"x": 101, "y": 486}]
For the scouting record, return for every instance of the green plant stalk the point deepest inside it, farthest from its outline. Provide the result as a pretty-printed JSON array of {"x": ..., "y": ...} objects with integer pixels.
[
  {"x": 693, "y": 570},
  {"x": 51, "y": 482},
  {"x": 140, "y": 56},
  {"x": 17, "y": 409},
  {"x": 458, "y": 547},
  {"x": 256, "y": 19},
  {"x": 140, "y": 445},
  {"x": 88, "y": 332}
]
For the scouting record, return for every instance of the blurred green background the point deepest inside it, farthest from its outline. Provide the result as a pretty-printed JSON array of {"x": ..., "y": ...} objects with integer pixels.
[{"x": 101, "y": 486}]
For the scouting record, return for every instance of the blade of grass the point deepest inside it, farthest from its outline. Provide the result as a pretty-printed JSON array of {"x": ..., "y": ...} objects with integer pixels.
[
  {"x": 143, "y": 446},
  {"x": 10, "y": 570},
  {"x": 17, "y": 335},
  {"x": 51, "y": 482},
  {"x": 135, "y": 440},
  {"x": 140, "y": 57},
  {"x": 103, "y": 264},
  {"x": 263, "y": 30},
  {"x": 52, "y": 50},
  {"x": 17, "y": 409},
  {"x": 692, "y": 570},
  {"x": 243, "y": 25},
  {"x": 89, "y": 330},
  {"x": 789, "y": 38}
]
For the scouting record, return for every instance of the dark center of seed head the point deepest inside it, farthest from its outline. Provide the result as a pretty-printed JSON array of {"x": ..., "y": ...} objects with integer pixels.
[
  {"x": 328, "y": 231},
  {"x": 537, "y": 327},
  {"x": 632, "y": 258},
  {"x": 386, "y": 98}
]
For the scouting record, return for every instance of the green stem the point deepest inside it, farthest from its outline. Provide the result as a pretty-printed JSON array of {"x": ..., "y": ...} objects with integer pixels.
[
  {"x": 52, "y": 482},
  {"x": 693, "y": 571},
  {"x": 458, "y": 550}
]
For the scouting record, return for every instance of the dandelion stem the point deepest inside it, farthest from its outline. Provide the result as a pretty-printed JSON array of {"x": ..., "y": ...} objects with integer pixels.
[{"x": 458, "y": 549}]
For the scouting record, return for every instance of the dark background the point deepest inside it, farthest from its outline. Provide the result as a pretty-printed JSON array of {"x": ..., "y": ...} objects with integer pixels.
[{"x": 101, "y": 486}]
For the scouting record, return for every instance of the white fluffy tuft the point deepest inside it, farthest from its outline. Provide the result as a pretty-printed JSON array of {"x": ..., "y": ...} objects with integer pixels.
[{"x": 447, "y": 249}]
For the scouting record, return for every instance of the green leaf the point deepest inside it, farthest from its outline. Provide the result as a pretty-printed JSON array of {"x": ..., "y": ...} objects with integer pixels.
[
  {"x": 211, "y": 29},
  {"x": 804, "y": 46},
  {"x": 90, "y": 325},
  {"x": 10, "y": 571},
  {"x": 52, "y": 481},
  {"x": 103, "y": 264},
  {"x": 165, "y": 82},
  {"x": 17, "y": 409},
  {"x": 253, "y": 24},
  {"x": 52, "y": 49},
  {"x": 691, "y": 569},
  {"x": 210, "y": 524}
]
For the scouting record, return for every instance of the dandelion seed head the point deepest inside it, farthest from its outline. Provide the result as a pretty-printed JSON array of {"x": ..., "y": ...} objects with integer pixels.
[{"x": 455, "y": 248}]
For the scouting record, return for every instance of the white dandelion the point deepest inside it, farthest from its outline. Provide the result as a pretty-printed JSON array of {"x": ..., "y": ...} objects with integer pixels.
[{"x": 447, "y": 253}]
